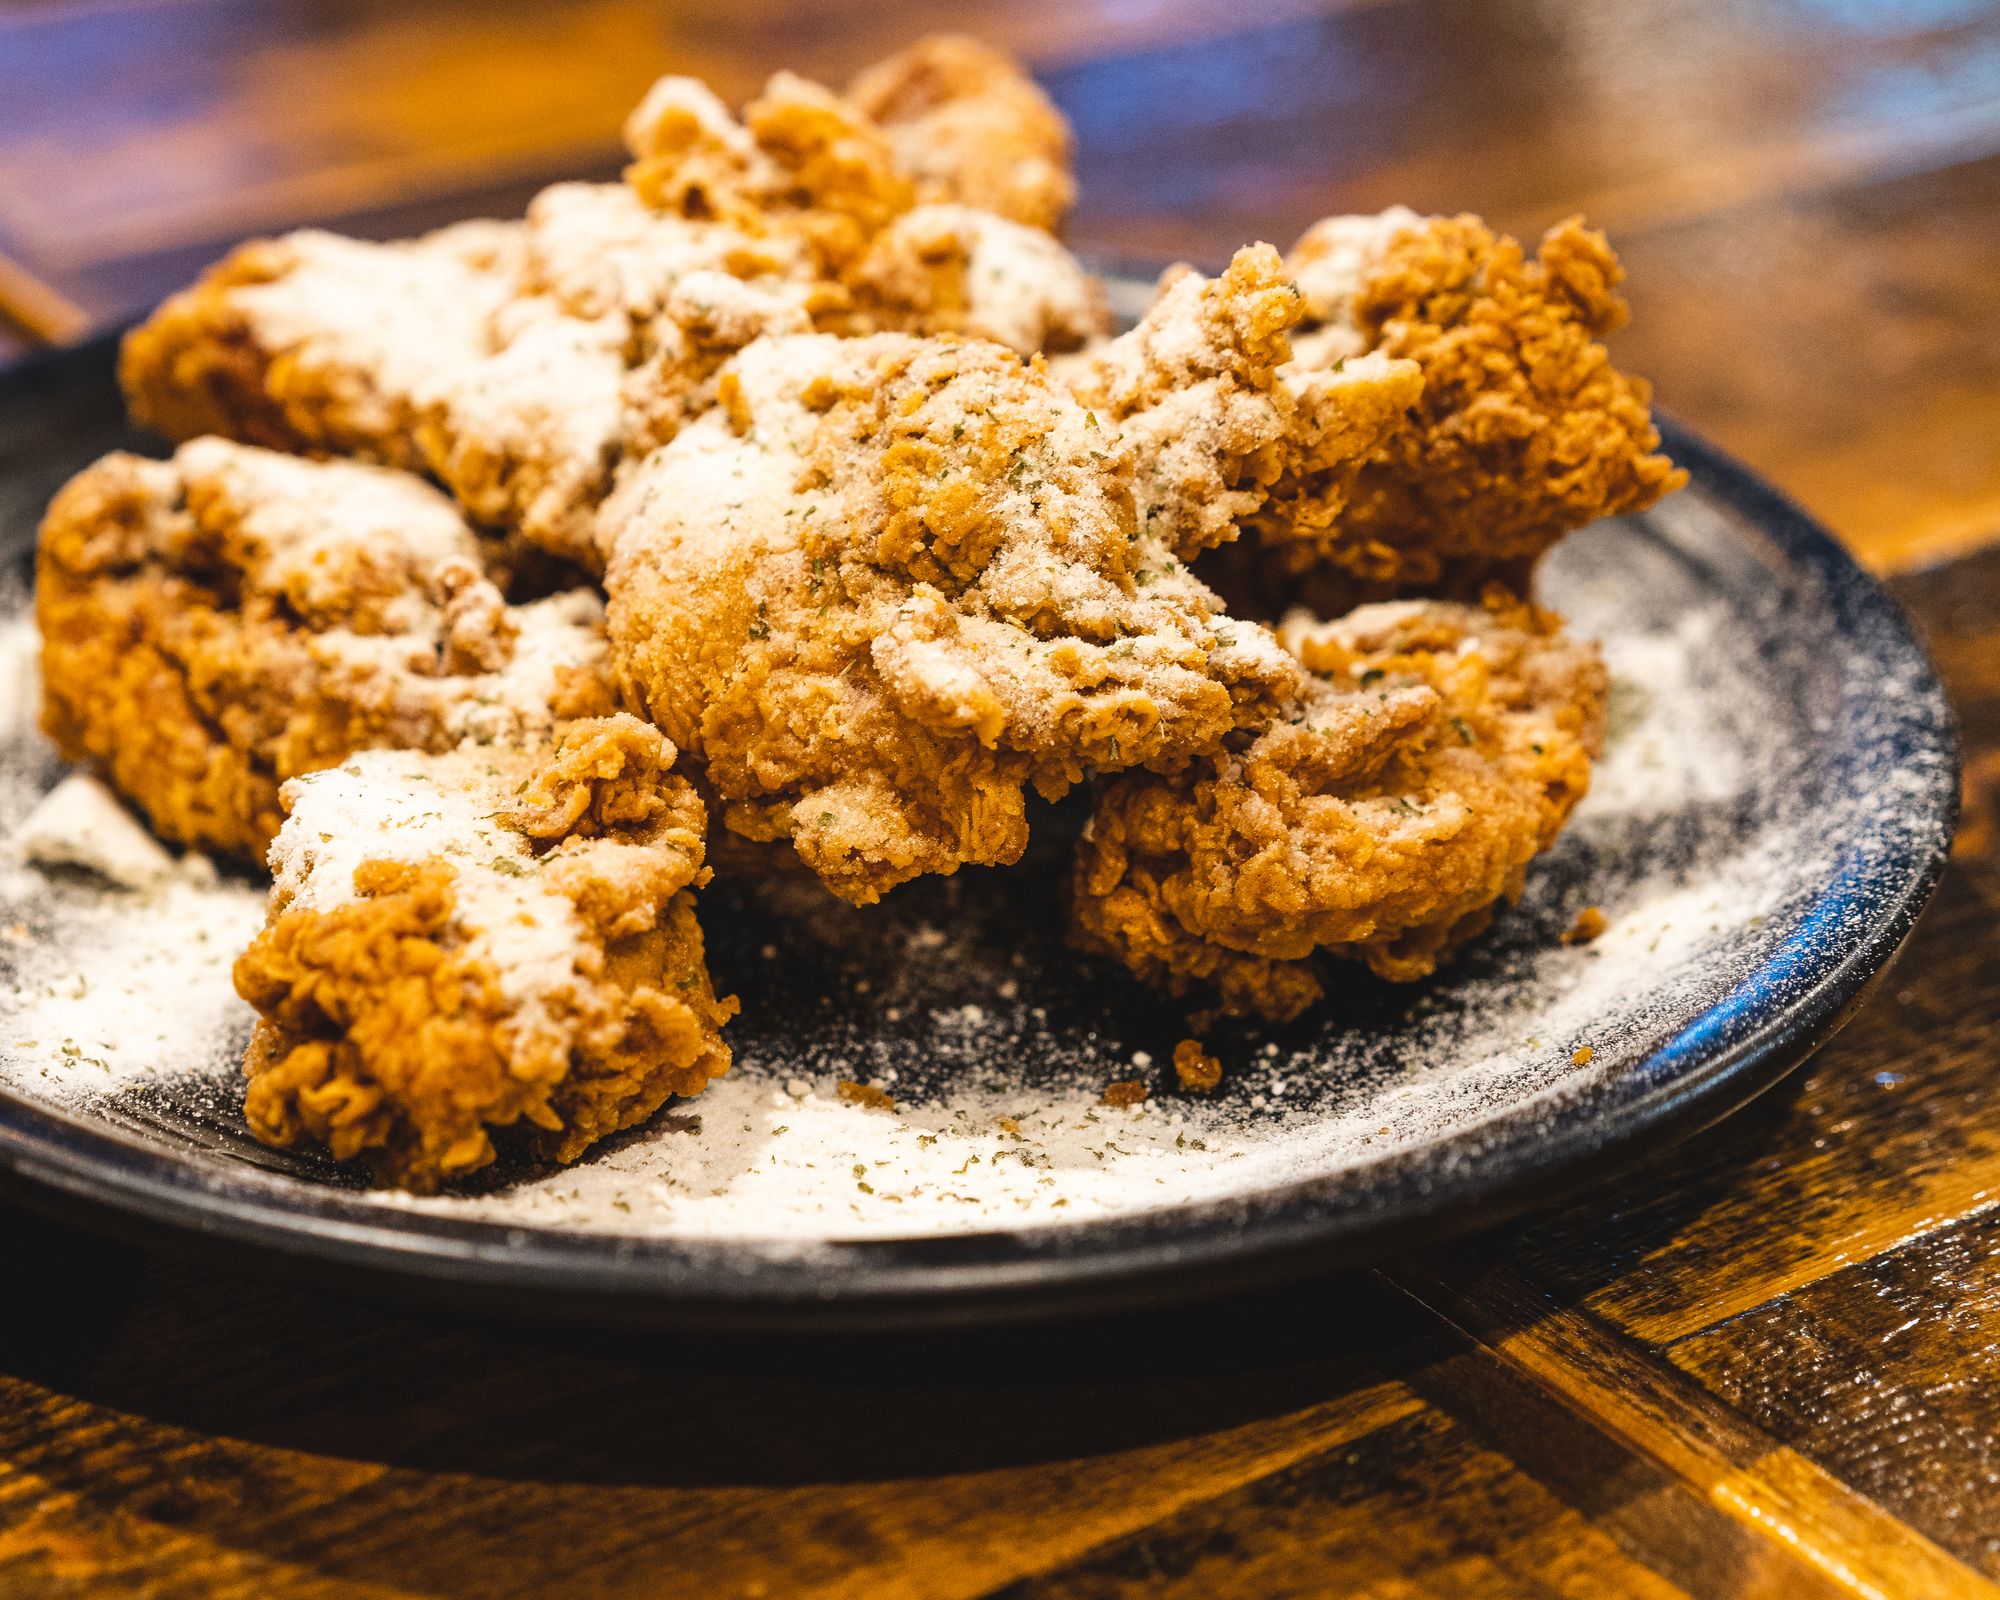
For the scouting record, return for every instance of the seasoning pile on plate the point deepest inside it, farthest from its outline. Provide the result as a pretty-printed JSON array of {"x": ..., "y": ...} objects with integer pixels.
[{"x": 791, "y": 507}]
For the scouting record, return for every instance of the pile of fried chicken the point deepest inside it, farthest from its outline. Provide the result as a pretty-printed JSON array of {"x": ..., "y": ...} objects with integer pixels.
[{"x": 797, "y": 483}]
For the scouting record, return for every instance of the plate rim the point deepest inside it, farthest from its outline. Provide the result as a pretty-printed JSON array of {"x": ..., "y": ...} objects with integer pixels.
[{"x": 62, "y": 1163}]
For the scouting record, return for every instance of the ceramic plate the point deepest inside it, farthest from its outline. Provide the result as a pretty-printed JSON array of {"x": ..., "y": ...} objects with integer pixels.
[{"x": 1773, "y": 810}]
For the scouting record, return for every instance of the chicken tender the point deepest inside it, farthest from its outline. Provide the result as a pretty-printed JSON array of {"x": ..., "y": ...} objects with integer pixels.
[
  {"x": 888, "y": 583},
  {"x": 491, "y": 942},
  {"x": 1524, "y": 430},
  {"x": 215, "y": 624},
  {"x": 970, "y": 126},
  {"x": 1220, "y": 418},
  {"x": 1434, "y": 751}
]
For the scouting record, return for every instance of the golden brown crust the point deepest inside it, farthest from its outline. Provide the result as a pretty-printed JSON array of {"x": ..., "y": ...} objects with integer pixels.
[
  {"x": 392, "y": 1027},
  {"x": 1225, "y": 430},
  {"x": 216, "y": 624},
  {"x": 521, "y": 363},
  {"x": 1437, "y": 749},
  {"x": 804, "y": 164},
  {"x": 317, "y": 343},
  {"x": 1524, "y": 430},
  {"x": 952, "y": 269},
  {"x": 970, "y": 126},
  {"x": 889, "y": 583}
]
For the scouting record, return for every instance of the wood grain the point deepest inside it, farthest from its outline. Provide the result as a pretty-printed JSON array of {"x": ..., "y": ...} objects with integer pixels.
[
  {"x": 1843, "y": 1539},
  {"x": 1760, "y": 1367},
  {"x": 1884, "y": 1372}
]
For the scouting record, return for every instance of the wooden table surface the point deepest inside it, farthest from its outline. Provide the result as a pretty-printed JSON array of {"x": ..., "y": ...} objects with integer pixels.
[{"x": 1769, "y": 1365}]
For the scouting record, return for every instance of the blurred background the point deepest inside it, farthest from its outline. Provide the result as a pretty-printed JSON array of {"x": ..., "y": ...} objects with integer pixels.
[{"x": 1806, "y": 192}]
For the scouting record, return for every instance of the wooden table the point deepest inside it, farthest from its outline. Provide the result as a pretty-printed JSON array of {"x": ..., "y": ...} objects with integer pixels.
[{"x": 1768, "y": 1366}]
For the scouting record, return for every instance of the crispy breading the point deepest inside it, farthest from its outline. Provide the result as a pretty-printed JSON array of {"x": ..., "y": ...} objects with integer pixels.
[
  {"x": 320, "y": 343},
  {"x": 953, "y": 269},
  {"x": 803, "y": 163},
  {"x": 492, "y": 941},
  {"x": 215, "y": 624},
  {"x": 1434, "y": 751},
  {"x": 521, "y": 363},
  {"x": 969, "y": 125},
  {"x": 1221, "y": 422},
  {"x": 1524, "y": 430},
  {"x": 887, "y": 583}
]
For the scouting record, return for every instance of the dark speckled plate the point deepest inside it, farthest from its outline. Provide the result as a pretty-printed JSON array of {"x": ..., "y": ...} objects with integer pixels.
[{"x": 1772, "y": 814}]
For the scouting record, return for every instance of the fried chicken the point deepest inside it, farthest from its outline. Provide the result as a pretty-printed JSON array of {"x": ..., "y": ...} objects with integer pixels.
[
  {"x": 887, "y": 583},
  {"x": 1524, "y": 430},
  {"x": 521, "y": 363},
  {"x": 488, "y": 942},
  {"x": 1220, "y": 419},
  {"x": 215, "y": 624},
  {"x": 318, "y": 343},
  {"x": 969, "y": 125},
  {"x": 803, "y": 164},
  {"x": 1432, "y": 752},
  {"x": 954, "y": 269}
]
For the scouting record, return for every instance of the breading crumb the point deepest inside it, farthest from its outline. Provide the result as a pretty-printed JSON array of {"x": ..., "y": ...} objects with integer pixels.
[
  {"x": 1590, "y": 922},
  {"x": 1198, "y": 1071}
]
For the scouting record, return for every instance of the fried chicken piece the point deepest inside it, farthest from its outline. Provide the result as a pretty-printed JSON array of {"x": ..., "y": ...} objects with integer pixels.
[
  {"x": 807, "y": 168},
  {"x": 506, "y": 376},
  {"x": 487, "y": 940},
  {"x": 887, "y": 583},
  {"x": 1524, "y": 430},
  {"x": 215, "y": 624},
  {"x": 1435, "y": 749},
  {"x": 317, "y": 343},
  {"x": 1221, "y": 420},
  {"x": 970, "y": 126}
]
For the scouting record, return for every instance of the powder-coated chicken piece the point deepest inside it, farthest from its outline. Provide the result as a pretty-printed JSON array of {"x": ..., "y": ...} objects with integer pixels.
[
  {"x": 317, "y": 343},
  {"x": 1524, "y": 430},
  {"x": 889, "y": 583},
  {"x": 1433, "y": 752},
  {"x": 1225, "y": 427},
  {"x": 487, "y": 946},
  {"x": 215, "y": 624}
]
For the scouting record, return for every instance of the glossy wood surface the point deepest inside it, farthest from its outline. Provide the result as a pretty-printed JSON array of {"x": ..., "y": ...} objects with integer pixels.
[{"x": 1763, "y": 1366}]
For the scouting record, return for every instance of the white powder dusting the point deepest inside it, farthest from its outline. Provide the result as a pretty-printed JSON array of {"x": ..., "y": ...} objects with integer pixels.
[
  {"x": 391, "y": 805},
  {"x": 114, "y": 989},
  {"x": 80, "y": 823},
  {"x": 20, "y": 672},
  {"x": 1336, "y": 253}
]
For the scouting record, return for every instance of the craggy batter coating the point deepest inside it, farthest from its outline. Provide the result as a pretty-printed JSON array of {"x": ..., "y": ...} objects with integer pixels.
[
  {"x": 482, "y": 941},
  {"x": 215, "y": 624},
  {"x": 803, "y": 164},
  {"x": 969, "y": 125},
  {"x": 521, "y": 363},
  {"x": 1223, "y": 425},
  {"x": 318, "y": 343},
  {"x": 955, "y": 269},
  {"x": 1524, "y": 430},
  {"x": 887, "y": 583},
  {"x": 1434, "y": 751}
]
